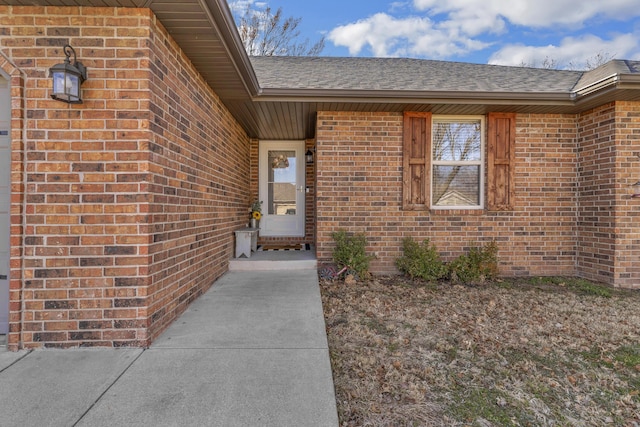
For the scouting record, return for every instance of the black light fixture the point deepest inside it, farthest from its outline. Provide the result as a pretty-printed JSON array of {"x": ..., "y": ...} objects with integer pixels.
[
  {"x": 67, "y": 78},
  {"x": 309, "y": 156}
]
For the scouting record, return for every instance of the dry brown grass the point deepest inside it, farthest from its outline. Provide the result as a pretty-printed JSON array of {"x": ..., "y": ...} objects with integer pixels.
[{"x": 545, "y": 352}]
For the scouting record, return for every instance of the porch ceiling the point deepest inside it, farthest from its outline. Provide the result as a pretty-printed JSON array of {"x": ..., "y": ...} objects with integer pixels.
[{"x": 206, "y": 31}]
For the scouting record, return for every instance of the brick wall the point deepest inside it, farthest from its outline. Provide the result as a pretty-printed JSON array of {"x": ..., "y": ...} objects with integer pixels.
[
  {"x": 609, "y": 237},
  {"x": 596, "y": 214},
  {"x": 359, "y": 188},
  {"x": 200, "y": 190},
  {"x": 627, "y": 255},
  {"x": 131, "y": 197}
]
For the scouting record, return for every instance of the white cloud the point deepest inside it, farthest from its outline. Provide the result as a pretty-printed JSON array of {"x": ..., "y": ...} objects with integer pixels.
[
  {"x": 447, "y": 29},
  {"x": 389, "y": 36},
  {"x": 399, "y": 5},
  {"x": 538, "y": 13},
  {"x": 572, "y": 52},
  {"x": 238, "y": 6}
]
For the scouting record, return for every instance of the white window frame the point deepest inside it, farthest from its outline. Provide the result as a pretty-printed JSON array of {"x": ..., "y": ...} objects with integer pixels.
[{"x": 481, "y": 162}]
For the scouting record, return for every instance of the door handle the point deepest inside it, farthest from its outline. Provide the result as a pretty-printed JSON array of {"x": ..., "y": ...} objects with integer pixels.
[{"x": 3, "y": 277}]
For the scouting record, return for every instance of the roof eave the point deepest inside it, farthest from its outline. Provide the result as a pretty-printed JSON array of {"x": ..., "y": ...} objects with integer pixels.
[
  {"x": 612, "y": 88},
  {"x": 220, "y": 16}
]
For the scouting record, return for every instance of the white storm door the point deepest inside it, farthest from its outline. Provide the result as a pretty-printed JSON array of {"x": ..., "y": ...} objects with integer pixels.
[
  {"x": 282, "y": 188},
  {"x": 5, "y": 201}
]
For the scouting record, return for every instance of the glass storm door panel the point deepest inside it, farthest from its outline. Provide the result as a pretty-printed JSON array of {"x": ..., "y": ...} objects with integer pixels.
[
  {"x": 282, "y": 188},
  {"x": 5, "y": 201}
]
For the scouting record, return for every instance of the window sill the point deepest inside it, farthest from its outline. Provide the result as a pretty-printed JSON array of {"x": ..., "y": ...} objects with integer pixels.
[{"x": 457, "y": 212}]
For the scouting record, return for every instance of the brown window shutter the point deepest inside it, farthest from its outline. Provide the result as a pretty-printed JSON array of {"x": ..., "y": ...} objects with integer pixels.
[
  {"x": 416, "y": 160},
  {"x": 501, "y": 161}
]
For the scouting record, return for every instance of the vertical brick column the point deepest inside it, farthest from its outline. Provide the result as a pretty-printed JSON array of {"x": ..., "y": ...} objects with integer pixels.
[
  {"x": 596, "y": 194},
  {"x": 627, "y": 215}
]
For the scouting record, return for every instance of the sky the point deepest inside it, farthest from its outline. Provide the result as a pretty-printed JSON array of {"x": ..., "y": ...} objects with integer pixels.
[{"x": 572, "y": 34}]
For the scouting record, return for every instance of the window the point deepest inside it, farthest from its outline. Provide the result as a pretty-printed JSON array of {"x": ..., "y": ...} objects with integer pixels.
[
  {"x": 444, "y": 162},
  {"x": 457, "y": 162}
]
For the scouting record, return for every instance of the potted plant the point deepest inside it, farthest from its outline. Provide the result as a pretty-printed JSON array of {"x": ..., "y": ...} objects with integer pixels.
[{"x": 256, "y": 214}]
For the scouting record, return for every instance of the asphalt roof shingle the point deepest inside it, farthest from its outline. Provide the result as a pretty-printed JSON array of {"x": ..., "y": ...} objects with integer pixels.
[{"x": 401, "y": 74}]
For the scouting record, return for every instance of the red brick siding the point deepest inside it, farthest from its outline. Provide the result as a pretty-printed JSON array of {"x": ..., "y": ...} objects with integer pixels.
[
  {"x": 609, "y": 236},
  {"x": 127, "y": 215},
  {"x": 310, "y": 200},
  {"x": 596, "y": 216},
  {"x": 359, "y": 188},
  {"x": 627, "y": 256},
  {"x": 200, "y": 161}
]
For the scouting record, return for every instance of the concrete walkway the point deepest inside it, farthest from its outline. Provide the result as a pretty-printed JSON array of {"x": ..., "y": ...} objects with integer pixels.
[{"x": 252, "y": 351}]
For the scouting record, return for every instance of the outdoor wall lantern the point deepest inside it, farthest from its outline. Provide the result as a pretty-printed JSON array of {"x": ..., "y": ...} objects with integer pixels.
[
  {"x": 67, "y": 78},
  {"x": 309, "y": 157},
  {"x": 636, "y": 189}
]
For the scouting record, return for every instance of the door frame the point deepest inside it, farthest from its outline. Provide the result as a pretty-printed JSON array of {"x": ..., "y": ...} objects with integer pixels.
[
  {"x": 282, "y": 225},
  {"x": 5, "y": 130}
]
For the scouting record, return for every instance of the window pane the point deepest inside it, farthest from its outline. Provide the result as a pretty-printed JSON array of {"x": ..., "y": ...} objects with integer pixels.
[
  {"x": 456, "y": 141},
  {"x": 282, "y": 183},
  {"x": 283, "y": 199},
  {"x": 456, "y": 185},
  {"x": 282, "y": 166}
]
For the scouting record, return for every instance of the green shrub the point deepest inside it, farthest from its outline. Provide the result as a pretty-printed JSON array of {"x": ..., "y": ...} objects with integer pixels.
[
  {"x": 421, "y": 260},
  {"x": 350, "y": 252},
  {"x": 478, "y": 266}
]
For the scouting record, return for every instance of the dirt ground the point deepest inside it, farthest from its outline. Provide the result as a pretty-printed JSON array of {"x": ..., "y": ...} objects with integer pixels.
[{"x": 535, "y": 352}]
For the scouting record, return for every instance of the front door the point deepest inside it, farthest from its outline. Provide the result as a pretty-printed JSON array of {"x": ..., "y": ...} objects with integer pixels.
[
  {"x": 282, "y": 188},
  {"x": 5, "y": 201}
]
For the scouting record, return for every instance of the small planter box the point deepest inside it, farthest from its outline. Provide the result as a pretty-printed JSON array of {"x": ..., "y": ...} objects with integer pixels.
[{"x": 246, "y": 241}]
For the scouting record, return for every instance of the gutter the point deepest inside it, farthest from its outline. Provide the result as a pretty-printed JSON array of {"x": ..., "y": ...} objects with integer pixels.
[
  {"x": 389, "y": 96},
  {"x": 598, "y": 85},
  {"x": 628, "y": 81},
  {"x": 607, "y": 87},
  {"x": 614, "y": 81}
]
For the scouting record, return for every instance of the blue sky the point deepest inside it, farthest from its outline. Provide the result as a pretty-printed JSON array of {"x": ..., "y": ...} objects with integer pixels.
[{"x": 506, "y": 32}]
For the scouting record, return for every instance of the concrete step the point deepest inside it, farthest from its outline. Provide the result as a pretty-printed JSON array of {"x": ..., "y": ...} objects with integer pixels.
[
  {"x": 275, "y": 260},
  {"x": 247, "y": 264}
]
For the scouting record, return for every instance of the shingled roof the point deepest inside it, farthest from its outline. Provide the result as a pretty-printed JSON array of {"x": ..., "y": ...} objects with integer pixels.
[
  {"x": 403, "y": 74},
  {"x": 308, "y": 84}
]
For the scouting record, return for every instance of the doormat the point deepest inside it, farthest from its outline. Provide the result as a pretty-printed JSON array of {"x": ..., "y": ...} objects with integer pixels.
[{"x": 281, "y": 247}]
